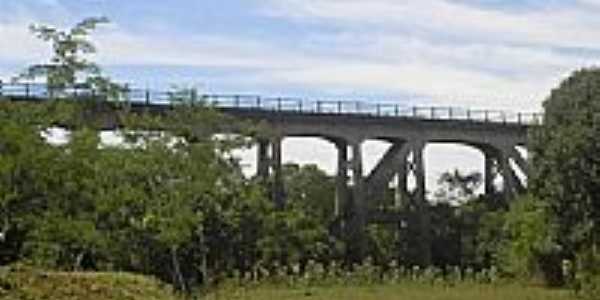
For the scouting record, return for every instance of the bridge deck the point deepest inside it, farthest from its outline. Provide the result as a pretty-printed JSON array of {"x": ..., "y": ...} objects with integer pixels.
[{"x": 285, "y": 105}]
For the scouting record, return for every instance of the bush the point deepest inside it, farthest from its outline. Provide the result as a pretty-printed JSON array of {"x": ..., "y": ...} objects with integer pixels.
[{"x": 530, "y": 250}]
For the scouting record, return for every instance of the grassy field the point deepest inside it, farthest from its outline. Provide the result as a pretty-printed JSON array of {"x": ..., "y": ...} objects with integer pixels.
[
  {"x": 31, "y": 284},
  {"x": 393, "y": 292}
]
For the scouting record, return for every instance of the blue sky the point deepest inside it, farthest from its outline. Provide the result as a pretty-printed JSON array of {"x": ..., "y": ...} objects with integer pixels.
[
  {"x": 486, "y": 54},
  {"x": 500, "y": 54}
]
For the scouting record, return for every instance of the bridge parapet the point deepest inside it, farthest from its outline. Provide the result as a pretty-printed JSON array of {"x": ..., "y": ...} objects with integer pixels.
[{"x": 277, "y": 104}]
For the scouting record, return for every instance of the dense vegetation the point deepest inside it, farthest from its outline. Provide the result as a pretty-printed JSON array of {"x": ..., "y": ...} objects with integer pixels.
[{"x": 170, "y": 201}]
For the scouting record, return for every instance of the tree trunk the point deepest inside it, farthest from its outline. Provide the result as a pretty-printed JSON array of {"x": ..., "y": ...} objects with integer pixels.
[{"x": 179, "y": 280}]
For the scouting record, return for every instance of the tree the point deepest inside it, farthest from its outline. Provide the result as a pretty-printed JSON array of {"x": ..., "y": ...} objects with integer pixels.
[
  {"x": 457, "y": 188},
  {"x": 528, "y": 248},
  {"x": 566, "y": 173},
  {"x": 68, "y": 63}
]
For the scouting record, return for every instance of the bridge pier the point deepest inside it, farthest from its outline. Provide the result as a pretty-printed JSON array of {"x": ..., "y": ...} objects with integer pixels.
[
  {"x": 358, "y": 208},
  {"x": 278, "y": 188},
  {"x": 269, "y": 167},
  {"x": 421, "y": 206},
  {"x": 378, "y": 180},
  {"x": 263, "y": 160},
  {"x": 401, "y": 197},
  {"x": 512, "y": 184},
  {"x": 341, "y": 180},
  {"x": 490, "y": 170}
]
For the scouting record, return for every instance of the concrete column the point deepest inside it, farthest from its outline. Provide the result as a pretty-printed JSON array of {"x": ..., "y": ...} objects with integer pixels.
[
  {"x": 419, "y": 171},
  {"x": 359, "y": 207},
  {"x": 422, "y": 208},
  {"x": 489, "y": 173},
  {"x": 278, "y": 188},
  {"x": 519, "y": 160},
  {"x": 377, "y": 182},
  {"x": 262, "y": 159},
  {"x": 508, "y": 177},
  {"x": 401, "y": 194},
  {"x": 341, "y": 181}
]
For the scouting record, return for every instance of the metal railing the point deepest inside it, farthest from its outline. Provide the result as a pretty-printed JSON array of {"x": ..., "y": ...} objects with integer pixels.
[{"x": 36, "y": 91}]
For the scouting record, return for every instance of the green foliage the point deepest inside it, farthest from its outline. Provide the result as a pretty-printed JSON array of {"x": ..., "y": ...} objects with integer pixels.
[
  {"x": 530, "y": 247},
  {"x": 145, "y": 206},
  {"x": 68, "y": 64},
  {"x": 564, "y": 152},
  {"x": 587, "y": 277}
]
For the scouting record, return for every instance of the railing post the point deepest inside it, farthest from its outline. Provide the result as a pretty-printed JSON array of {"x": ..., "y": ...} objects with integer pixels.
[
  {"x": 396, "y": 110},
  {"x": 258, "y": 104},
  {"x": 339, "y": 107},
  {"x": 236, "y": 100},
  {"x": 378, "y": 108},
  {"x": 414, "y": 111},
  {"x": 450, "y": 114},
  {"x": 357, "y": 107},
  {"x": 486, "y": 114},
  {"x": 279, "y": 104},
  {"x": 433, "y": 113},
  {"x": 318, "y": 107},
  {"x": 519, "y": 118},
  {"x": 1, "y": 86},
  {"x": 26, "y": 90},
  {"x": 468, "y": 114},
  {"x": 300, "y": 106}
]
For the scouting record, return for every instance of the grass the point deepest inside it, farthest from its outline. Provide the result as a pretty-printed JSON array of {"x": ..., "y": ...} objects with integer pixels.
[
  {"x": 409, "y": 291},
  {"x": 29, "y": 284}
]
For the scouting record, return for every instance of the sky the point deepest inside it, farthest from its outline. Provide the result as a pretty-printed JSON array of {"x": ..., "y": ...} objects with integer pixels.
[{"x": 483, "y": 54}]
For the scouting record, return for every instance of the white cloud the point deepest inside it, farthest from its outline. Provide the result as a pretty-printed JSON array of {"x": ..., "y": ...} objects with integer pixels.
[
  {"x": 455, "y": 54},
  {"x": 572, "y": 26},
  {"x": 19, "y": 45}
]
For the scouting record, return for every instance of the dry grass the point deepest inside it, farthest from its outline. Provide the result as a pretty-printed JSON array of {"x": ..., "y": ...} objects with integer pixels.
[{"x": 28, "y": 284}]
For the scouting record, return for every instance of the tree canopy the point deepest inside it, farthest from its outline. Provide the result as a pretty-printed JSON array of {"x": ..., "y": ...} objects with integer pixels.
[{"x": 565, "y": 158}]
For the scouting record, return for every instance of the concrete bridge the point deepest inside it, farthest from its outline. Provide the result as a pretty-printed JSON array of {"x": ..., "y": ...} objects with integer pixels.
[
  {"x": 347, "y": 125},
  {"x": 497, "y": 138}
]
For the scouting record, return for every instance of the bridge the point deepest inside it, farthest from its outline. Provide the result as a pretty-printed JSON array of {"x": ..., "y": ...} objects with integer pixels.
[{"x": 347, "y": 125}]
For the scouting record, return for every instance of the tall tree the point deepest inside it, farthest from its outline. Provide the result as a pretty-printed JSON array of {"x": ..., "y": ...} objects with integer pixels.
[{"x": 566, "y": 173}]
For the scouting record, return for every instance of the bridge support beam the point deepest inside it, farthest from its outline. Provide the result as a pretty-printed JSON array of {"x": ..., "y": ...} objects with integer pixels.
[
  {"x": 490, "y": 171},
  {"x": 420, "y": 204},
  {"x": 512, "y": 184},
  {"x": 358, "y": 211},
  {"x": 341, "y": 182},
  {"x": 269, "y": 168},
  {"x": 378, "y": 180},
  {"x": 278, "y": 188},
  {"x": 519, "y": 160},
  {"x": 507, "y": 176},
  {"x": 401, "y": 197},
  {"x": 263, "y": 160},
  {"x": 498, "y": 163}
]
